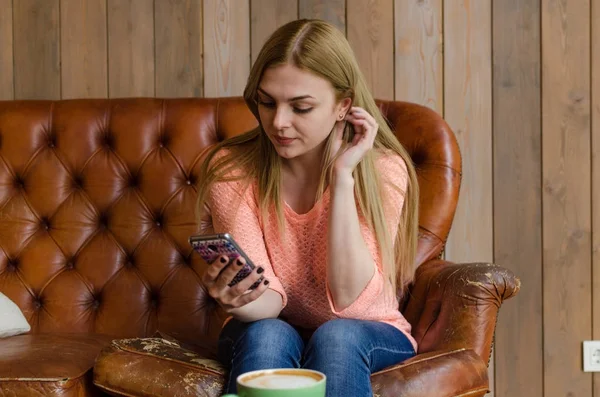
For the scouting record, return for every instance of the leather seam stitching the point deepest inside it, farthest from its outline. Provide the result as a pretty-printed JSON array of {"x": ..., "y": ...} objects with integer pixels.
[{"x": 417, "y": 361}]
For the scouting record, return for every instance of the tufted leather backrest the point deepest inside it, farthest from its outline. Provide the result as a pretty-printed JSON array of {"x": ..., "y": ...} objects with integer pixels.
[{"x": 97, "y": 203}]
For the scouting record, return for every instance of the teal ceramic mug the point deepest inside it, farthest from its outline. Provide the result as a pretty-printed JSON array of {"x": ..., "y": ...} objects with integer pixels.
[{"x": 275, "y": 382}]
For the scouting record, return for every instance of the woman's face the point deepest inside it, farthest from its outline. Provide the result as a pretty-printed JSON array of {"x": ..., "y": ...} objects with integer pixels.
[{"x": 297, "y": 110}]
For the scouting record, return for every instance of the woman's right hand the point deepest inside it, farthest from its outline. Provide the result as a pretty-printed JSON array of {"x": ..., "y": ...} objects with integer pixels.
[{"x": 216, "y": 280}]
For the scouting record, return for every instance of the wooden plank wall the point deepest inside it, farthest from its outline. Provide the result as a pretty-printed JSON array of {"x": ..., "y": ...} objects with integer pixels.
[
  {"x": 83, "y": 46},
  {"x": 36, "y": 49},
  {"x": 566, "y": 194},
  {"x": 516, "y": 109},
  {"x": 595, "y": 126},
  {"x": 518, "y": 80},
  {"x": 6, "y": 50}
]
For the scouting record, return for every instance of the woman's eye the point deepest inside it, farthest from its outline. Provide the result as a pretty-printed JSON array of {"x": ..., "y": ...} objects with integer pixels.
[
  {"x": 272, "y": 105},
  {"x": 302, "y": 111},
  {"x": 266, "y": 104}
]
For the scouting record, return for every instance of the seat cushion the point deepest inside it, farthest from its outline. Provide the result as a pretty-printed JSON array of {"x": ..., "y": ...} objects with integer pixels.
[
  {"x": 157, "y": 367},
  {"x": 49, "y": 364}
]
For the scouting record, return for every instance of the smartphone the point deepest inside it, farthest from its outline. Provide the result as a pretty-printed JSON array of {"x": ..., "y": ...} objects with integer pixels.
[{"x": 211, "y": 246}]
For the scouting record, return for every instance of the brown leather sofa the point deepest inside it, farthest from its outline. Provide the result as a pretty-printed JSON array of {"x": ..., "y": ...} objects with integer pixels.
[{"x": 96, "y": 207}]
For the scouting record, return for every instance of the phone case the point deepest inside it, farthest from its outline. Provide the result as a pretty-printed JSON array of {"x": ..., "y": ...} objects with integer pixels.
[{"x": 211, "y": 247}]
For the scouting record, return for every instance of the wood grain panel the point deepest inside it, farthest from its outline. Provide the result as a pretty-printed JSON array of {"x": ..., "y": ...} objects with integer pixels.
[
  {"x": 226, "y": 46},
  {"x": 265, "y": 17},
  {"x": 566, "y": 195},
  {"x": 468, "y": 107},
  {"x": 596, "y": 179},
  {"x": 178, "y": 35},
  {"x": 333, "y": 11},
  {"x": 468, "y": 110},
  {"x": 130, "y": 48},
  {"x": 419, "y": 52},
  {"x": 371, "y": 35},
  {"x": 517, "y": 193},
  {"x": 6, "y": 50},
  {"x": 36, "y": 49},
  {"x": 83, "y": 49}
]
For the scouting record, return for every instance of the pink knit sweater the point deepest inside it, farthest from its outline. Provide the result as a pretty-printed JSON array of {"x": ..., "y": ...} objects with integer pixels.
[{"x": 296, "y": 266}]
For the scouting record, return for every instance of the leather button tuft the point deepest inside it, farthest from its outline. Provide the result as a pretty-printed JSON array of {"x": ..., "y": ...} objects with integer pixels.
[
  {"x": 19, "y": 182},
  {"x": 13, "y": 264},
  {"x": 103, "y": 220},
  {"x": 108, "y": 141},
  {"x": 69, "y": 265},
  {"x": 158, "y": 221},
  {"x": 163, "y": 141},
  {"x": 37, "y": 303},
  {"x": 45, "y": 223},
  {"x": 418, "y": 157},
  {"x": 78, "y": 181},
  {"x": 129, "y": 261},
  {"x": 154, "y": 299},
  {"x": 134, "y": 181},
  {"x": 96, "y": 304},
  {"x": 52, "y": 142}
]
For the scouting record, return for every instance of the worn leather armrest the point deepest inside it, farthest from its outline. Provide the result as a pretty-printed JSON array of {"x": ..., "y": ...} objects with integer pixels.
[
  {"x": 156, "y": 367},
  {"x": 455, "y": 306},
  {"x": 435, "y": 374}
]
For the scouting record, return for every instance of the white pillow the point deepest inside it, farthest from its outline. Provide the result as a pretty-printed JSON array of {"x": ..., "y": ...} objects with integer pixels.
[{"x": 12, "y": 321}]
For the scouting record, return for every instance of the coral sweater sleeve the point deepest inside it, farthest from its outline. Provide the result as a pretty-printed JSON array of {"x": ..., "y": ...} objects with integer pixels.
[
  {"x": 233, "y": 209},
  {"x": 394, "y": 178}
]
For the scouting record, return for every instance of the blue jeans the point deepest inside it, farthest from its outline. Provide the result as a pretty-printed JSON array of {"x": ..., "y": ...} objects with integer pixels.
[{"x": 346, "y": 351}]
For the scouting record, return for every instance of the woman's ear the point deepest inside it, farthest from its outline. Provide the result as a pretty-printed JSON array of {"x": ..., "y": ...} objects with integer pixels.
[{"x": 344, "y": 106}]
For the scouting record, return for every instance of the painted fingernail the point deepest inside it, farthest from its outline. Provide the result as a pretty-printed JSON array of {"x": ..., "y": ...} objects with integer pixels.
[
  {"x": 260, "y": 270},
  {"x": 240, "y": 263},
  {"x": 223, "y": 260},
  {"x": 266, "y": 282}
]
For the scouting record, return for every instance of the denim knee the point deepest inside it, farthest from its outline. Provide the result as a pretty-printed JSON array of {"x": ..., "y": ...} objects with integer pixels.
[
  {"x": 349, "y": 350},
  {"x": 337, "y": 336},
  {"x": 273, "y": 330},
  {"x": 270, "y": 339}
]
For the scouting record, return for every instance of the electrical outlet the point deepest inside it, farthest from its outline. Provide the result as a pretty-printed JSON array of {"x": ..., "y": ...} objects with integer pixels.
[{"x": 591, "y": 356}]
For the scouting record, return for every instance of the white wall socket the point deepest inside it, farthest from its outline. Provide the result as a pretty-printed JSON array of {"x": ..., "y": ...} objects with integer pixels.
[{"x": 591, "y": 356}]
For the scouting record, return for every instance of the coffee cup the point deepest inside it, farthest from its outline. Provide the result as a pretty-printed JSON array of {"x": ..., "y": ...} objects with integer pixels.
[{"x": 294, "y": 382}]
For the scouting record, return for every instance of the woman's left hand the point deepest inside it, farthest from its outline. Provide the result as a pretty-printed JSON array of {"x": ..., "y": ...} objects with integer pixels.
[{"x": 365, "y": 130}]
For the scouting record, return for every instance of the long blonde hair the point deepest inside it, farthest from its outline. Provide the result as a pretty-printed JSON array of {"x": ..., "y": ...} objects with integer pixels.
[{"x": 318, "y": 47}]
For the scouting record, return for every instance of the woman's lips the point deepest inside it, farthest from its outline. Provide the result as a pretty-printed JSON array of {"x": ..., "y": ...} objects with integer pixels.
[{"x": 283, "y": 141}]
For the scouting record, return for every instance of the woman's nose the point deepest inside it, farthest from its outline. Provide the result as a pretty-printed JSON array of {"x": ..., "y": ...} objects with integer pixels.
[{"x": 282, "y": 118}]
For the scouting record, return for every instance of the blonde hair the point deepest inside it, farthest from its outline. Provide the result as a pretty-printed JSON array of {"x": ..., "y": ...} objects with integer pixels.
[{"x": 318, "y": 47}]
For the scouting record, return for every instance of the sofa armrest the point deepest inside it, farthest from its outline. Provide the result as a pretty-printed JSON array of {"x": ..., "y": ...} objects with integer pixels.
[
  {"x": 435, "y": 374},
  {"x": 455, "y": 306},
  {"x": 156, "y": 367}
]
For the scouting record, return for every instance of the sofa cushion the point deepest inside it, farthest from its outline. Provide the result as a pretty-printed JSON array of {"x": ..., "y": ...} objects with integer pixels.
[
  {"x": 157, "y": 367},
  {"x": 12, "y": 321},
  {"x": 49, "y": 364}
]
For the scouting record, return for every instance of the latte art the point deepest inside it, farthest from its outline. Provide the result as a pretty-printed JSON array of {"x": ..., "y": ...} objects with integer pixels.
[{"x": 280, "y": 381}]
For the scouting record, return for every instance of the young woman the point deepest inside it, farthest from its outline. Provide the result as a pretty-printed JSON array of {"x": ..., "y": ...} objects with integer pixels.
[{"x": 324, "y": 200}]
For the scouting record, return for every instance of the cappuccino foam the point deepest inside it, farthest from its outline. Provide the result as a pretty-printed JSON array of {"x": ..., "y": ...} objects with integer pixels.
[{"x": 280, "y": 381}]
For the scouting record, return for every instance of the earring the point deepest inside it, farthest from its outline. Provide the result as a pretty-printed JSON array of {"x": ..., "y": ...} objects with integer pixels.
[{"x": 341, "y": 116}]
